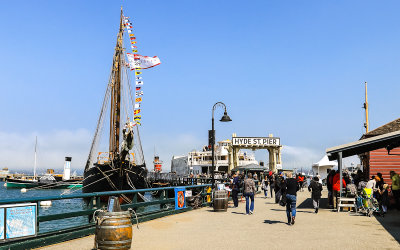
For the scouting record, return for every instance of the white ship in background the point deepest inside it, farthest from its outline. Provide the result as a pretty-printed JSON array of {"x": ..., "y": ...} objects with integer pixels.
[{"x": 199, "y": 162}]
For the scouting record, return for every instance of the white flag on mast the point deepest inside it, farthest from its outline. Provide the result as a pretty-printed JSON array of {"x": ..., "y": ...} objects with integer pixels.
[{"x": 143, "y": 62}]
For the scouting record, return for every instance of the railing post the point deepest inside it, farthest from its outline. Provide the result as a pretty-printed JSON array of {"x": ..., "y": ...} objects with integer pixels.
[
  {"x": 162, "y": 197},
  {"x": 90, "y": 206},
  {"x": 134, "y": 199},
  {"x": 98, "y": 202},
  {"x": 37, "y": 215}
]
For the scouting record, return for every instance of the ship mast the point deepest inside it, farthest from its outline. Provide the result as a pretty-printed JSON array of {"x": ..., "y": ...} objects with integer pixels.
[
  {"x": 366, "y": 124},
  {"x": 115, "y": 113}
]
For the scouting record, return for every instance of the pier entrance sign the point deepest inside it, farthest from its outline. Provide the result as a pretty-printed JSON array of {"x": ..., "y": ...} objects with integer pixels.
[
  {"x": 270, "y": 143},
  {"x": 255, "y": 141}
]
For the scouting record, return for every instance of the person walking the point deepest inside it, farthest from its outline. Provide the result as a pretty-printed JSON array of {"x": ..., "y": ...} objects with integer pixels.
[
  {"x": 395, "y": 188},
  {"x": 249, "y": 192},
  {"x": 265, "y": 186},
  {"x": 277, "y": 188},
  {"x": 235, "y": 189},
  {"x": 300, "y": 180},
  {"x": 271, "y": 183},
  {"x": 290, "y": 186},
  {"x": 316, "y": 188}
]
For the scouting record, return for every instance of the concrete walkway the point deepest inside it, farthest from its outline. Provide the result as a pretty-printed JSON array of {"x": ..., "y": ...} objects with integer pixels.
[{"x": 265, "y": 229}]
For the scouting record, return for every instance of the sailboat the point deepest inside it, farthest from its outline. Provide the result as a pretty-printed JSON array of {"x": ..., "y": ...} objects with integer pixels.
[
  {"x": 17, "y": 183},
  {"x": 123, "y": 166},
  {"x": 47, "y": 181}
]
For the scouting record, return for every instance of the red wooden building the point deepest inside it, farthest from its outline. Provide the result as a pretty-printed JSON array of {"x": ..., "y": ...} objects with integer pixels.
[{"x": 379, "y": 161}]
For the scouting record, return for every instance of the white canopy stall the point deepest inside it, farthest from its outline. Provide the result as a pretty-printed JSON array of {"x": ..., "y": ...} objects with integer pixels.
[{"x": 322, "y": 166}]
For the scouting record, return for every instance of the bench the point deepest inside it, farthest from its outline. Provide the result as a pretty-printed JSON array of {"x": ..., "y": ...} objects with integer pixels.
[{"x": 347, "y": 202}]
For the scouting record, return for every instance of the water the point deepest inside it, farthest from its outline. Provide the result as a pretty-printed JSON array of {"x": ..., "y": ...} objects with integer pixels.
[{"x": 58, "y": 206}]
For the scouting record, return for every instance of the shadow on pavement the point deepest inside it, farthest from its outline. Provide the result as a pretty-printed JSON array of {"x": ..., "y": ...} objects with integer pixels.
[
  {"x": 237, "y": 213},
  {"x": 273, "y": 222},
  {"x": 307, "y": 203},
  {"x": 391, "y": 222},
  {"x": 297, "y": 211}
]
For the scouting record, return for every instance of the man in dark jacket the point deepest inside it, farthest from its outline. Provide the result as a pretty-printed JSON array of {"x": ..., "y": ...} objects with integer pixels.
[
  {"x": 329, "y": 185},
  {"x": 235, "y": 189},
  {"x": 290, "y": 186},
  {"x": 316, "y": 188}
]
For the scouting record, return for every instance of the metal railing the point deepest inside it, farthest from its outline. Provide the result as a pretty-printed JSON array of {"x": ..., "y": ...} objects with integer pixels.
[{"x": 163, "y": 205}]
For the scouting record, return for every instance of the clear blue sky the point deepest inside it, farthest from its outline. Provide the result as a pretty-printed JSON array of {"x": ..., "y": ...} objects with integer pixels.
[{"x": 292, "y": 68}]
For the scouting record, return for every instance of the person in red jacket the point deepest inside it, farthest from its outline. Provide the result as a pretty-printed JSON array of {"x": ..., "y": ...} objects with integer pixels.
[
  {"x": 336, "y": 187},
  {"x": 300, "y": 180}
]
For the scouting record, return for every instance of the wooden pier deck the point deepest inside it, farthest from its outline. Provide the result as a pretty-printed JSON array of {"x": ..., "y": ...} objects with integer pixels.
[{"x": 265, "y": 229}]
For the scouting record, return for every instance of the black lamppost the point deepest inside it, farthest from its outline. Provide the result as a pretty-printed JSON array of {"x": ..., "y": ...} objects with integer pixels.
[{"x": 225, "y": 118}]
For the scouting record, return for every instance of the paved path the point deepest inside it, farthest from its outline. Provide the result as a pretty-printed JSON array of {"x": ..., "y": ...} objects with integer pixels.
[{"x": 265, "y": 229}]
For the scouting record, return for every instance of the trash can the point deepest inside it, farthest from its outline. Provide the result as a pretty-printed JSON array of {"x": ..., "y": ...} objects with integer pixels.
[{"x": 220, "y": 201}]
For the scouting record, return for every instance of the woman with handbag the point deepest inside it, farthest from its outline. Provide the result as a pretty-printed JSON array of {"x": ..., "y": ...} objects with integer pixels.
[{"x": 249, "y": 192}]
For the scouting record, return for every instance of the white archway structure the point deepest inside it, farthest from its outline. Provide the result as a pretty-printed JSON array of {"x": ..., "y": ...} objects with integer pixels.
[{"x": 270, "y": 143}]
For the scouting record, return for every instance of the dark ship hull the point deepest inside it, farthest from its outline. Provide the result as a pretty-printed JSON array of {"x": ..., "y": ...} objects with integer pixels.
[{"x": 107, "y": 177}]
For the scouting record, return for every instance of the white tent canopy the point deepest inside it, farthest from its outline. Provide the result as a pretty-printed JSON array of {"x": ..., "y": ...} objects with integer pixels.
[{"x": 322, "y": 166}]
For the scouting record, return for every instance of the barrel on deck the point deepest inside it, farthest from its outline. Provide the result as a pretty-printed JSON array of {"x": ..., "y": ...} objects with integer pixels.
[
  {"x": 220, "y": 201},
  {"x": 113, "y": 230}
]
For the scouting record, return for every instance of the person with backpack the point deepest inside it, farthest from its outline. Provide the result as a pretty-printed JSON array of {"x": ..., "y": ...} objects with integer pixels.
[
  {"x": 316, "y": 191},
  {"x": 290, "y": 188},
  {"x": 249, "y": 192}
]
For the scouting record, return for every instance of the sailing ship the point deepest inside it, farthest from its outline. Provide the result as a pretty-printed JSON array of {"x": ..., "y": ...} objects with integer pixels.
[{"x": 123, "y": 166}]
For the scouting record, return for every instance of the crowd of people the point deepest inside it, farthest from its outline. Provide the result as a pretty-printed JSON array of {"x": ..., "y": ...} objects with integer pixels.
[
  {"x": 356, "y": 182},
  {"x": 284, "y": 187}
]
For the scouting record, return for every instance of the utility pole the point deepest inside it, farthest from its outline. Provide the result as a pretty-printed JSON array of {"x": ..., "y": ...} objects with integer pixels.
[{"x": 366, "y": 124}]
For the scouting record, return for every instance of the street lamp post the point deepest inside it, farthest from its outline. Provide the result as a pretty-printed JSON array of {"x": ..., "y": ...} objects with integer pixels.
[{"x": 225, "y": 118}]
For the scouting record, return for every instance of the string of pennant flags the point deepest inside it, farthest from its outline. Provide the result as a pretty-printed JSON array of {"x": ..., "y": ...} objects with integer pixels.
[{"x": 137, "y": 63}]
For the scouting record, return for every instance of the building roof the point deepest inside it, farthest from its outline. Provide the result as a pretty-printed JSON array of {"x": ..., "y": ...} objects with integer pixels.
[
  {"x": 384, "y": 129},
  {"x": 388, "y": 140}
]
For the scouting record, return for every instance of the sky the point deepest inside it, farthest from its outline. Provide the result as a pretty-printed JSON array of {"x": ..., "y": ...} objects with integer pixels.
[{"x": 294, "y": 69}]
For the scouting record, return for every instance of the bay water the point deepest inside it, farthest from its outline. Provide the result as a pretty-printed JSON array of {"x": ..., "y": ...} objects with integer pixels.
[{"x": 58, "y": 206}]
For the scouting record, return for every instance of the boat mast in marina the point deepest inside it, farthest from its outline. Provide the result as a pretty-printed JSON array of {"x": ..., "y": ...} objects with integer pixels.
[{"x": 34, "y": 165}]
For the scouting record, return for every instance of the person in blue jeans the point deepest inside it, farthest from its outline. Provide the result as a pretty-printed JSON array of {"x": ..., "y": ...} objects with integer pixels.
[
  {"x": 235, "y": 189},
  {"x": 291, "y": 188},
  {"x": 249, "y": 191}
]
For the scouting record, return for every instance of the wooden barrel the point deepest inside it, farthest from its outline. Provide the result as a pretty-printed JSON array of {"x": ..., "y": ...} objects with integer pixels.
[
  {"x": 113, "y": 230},
  {"x": 220, "y": 201}
]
